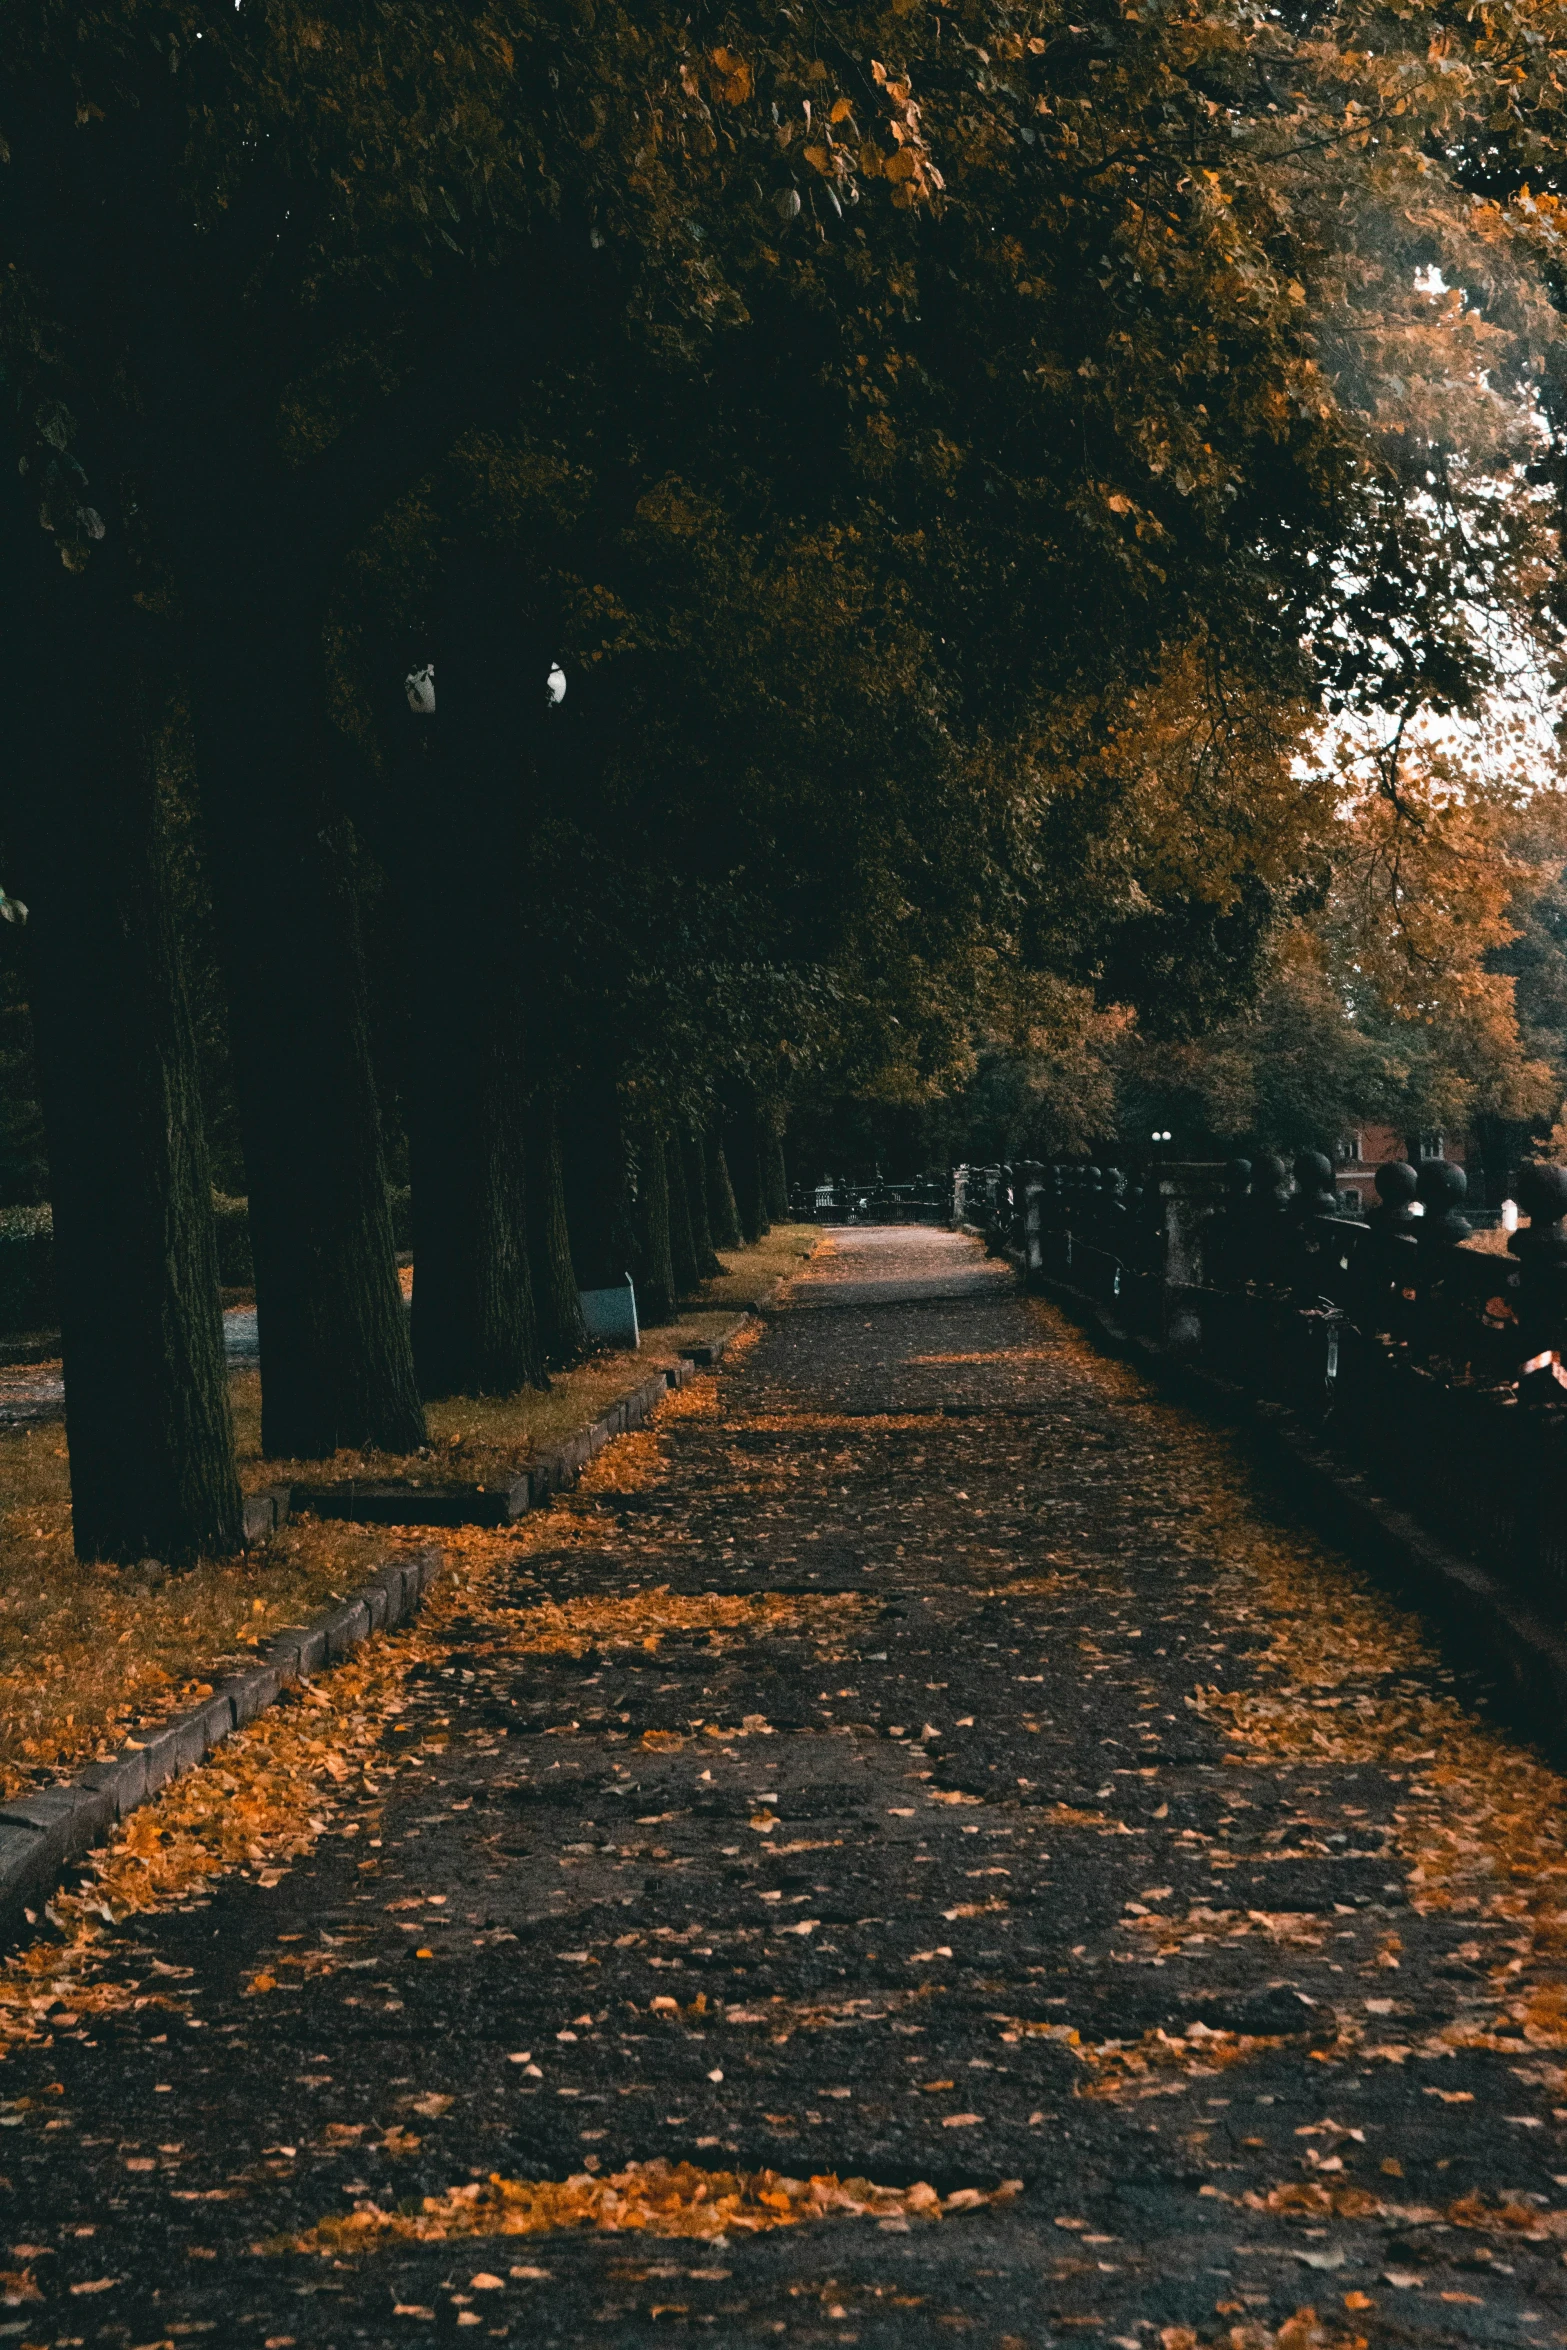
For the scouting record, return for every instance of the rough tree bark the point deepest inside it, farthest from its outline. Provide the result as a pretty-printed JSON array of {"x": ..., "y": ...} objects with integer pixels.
[
  {"x": 682, "y": 1240},
  {"x": 598, "y": 1201},
  {"x": 475, "y": 1330},
  {"x": 653, "y": 1270},
  {"x": 336, "y": 1363},
  {"x": 557, "y": 1301},
  {"x": 146, "y": 1390},
  {"x": 743, "y": 1152},
  {"x": 775, "y": 1174},
  {"x": 180, "y": 401},
  {"x": 723, "y": 1214},
  {"x": 461, "y": 771},
  {"x": 694, "y": 1162}
]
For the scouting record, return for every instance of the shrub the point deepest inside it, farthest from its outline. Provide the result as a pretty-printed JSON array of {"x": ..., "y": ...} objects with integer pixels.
[
  {"x": 26, "y": 1268},
  {"x": 236, "y": 1270}
]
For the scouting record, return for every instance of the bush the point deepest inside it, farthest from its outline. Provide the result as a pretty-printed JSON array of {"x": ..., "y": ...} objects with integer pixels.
[
  {"x": 236, "y": 1270},
  {"x": 26, "y": 1268}
]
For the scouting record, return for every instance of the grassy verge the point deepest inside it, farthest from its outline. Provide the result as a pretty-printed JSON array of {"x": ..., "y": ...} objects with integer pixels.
[
  {"x": 481, "y": 1440},
  {"x": 750, "y": 1273},
  {"x": 91, "y": 1653}
]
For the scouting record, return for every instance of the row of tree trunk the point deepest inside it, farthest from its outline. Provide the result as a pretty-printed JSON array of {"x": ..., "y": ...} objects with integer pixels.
[{"x": 521, "y": 1198}]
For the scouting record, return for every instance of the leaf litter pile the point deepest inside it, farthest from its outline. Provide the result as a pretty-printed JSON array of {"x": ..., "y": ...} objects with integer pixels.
[{"x": 654, "y": 2198}]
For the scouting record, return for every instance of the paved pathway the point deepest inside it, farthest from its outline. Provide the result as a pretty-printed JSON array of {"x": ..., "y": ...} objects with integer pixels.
[
  {"x": 922, "y": 1759},
  {"x": 32, "y": 1393}
]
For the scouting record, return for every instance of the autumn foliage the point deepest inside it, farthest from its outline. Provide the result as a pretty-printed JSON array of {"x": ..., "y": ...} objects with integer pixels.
[{"x": 984, "y": 477}]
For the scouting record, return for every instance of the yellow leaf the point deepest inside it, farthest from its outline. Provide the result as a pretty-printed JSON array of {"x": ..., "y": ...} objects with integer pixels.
[
  {"x": 737, "y": 84},
  {"x": 841, "y": 110}
]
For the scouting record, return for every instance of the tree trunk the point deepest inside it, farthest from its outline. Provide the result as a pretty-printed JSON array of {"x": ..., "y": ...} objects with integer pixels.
[
  {"x": 682, "y": 1243},
  {"x": 723, "y": 1214},
  {"x": 598, "y": 1204},
  {"x": 135, "y": 1251},
  {"x": 743, "y": 1151},
  {"x": 474, "y": 1326},
  {"x": 695, "y": 1164},
  {"x": 563, "y": 1334},
  {"x": 336, "y": 1363},
  {"x": 775, "y": 1174},
  {"x": 654, "y": 1271},
  {"x": 462, "y": 771}
]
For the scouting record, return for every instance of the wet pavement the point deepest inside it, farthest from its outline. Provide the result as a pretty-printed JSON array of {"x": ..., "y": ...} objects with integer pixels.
[{"x": 923, "y": 1759}]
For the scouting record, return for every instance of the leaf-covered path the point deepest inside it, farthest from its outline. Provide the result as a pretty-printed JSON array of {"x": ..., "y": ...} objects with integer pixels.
[{"x": 920, "y": 1761}]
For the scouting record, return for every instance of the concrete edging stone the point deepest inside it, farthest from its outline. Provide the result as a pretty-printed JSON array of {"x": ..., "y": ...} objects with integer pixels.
[
  {"x": 471, "y": 1505},
  {"x": 1491, "y": 1619},
  {"x": 42, "y": 1832},
  {"x": 45, "y": 1830}
]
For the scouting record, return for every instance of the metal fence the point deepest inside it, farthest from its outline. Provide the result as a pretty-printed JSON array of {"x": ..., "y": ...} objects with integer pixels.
[
  {"x": 841, "y": 1201},
  {"x": 1434, "y": 1366}
]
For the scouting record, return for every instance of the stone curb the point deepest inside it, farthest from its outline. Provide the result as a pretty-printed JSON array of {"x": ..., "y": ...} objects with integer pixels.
[
  {"x": 471, "y": 1505},
  {"x": 1492, "y": 1621},
  {"x": 43, "y": 1832}
]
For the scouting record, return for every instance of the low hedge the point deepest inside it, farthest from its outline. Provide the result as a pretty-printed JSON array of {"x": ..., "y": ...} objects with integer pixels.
[
  {"x": 26, "y": 1268},
  {"x": 232, "y": 1218},
  {"x": 27, "y": 1254}
]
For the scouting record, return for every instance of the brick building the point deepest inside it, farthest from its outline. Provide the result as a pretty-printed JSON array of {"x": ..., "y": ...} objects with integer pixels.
[{"x": 1360, "y": 1152}]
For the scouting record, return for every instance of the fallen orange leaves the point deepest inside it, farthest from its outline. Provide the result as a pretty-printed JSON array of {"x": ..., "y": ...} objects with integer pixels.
[
  {"x": 1304, "y": 2331},
  {"x": 569, "y": 1627},
  {"x": 272, "y": 1790},
  {"x": 1478, "y": 1826},
  {"x": 655, "y": 2198}
]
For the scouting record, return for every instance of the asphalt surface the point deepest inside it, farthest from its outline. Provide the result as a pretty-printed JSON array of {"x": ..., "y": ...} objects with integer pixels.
[{"x": 1070, "y": 1825}]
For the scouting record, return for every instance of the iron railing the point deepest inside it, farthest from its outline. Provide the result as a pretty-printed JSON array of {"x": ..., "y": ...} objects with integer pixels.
[{"x": 1433, "y": 1366}]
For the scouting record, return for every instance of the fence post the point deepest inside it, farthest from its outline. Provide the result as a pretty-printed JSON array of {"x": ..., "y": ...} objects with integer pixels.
[
  {"x": 1268, "y": 1218},
  {"x": 1031, "y": 1189},
  {"x": 1541, "y": 1251},
  {"x": 1442, "y": 1188},
  {"x": 1227, "y": 1239},
  {"x": 1383, "y": 1276},
  {"x": 1188, "y": 1194}
]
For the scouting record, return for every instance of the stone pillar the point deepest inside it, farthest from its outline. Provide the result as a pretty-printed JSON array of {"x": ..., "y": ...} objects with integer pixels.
[{"x": 1190, "y": 1193}]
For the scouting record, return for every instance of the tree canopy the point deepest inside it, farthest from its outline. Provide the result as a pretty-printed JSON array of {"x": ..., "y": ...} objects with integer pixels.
[{"x": 977, "y": 471}]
